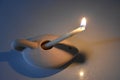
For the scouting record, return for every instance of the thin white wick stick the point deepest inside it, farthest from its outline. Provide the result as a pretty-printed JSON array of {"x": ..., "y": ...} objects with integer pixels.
[{"x": 67, "y": 35}]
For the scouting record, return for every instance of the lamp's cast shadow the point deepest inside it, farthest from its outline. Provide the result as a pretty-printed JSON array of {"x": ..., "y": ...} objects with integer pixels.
[{"x": 16, "y": 61}]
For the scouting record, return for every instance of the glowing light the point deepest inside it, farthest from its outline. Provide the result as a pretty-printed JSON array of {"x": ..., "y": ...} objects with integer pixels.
[
  {"x": 81, "y": 73},
  {"x": 83, "y": 22},
  {"x": 67, "y": 35}
]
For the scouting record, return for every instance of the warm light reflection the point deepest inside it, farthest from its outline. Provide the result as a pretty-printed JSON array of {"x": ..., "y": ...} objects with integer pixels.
[
  {"x": 81, "y": 73},
  {"x": 83, "y": 22}
]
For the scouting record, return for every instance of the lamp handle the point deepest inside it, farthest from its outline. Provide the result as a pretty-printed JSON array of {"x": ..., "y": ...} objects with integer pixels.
[{"x": 21, "y": 44}]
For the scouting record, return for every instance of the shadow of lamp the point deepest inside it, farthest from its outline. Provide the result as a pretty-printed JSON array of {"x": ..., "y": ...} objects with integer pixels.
[{"x": 49, "y": 51}]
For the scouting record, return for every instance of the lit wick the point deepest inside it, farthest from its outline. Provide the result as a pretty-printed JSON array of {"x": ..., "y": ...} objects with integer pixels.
[{"x": 67, "y": 35}]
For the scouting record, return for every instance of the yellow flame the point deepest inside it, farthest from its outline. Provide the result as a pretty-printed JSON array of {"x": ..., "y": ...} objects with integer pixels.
[{"x": 83, "y": 22}]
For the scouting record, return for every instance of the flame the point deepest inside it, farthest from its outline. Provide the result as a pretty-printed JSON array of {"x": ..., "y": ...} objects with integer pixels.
[{"x": 83, "y": 22}]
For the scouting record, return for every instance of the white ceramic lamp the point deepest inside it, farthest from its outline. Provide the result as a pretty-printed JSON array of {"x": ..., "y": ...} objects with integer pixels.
[
  {"x": 46, "y": 50},
  {"x": 50, "y": 58}
]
